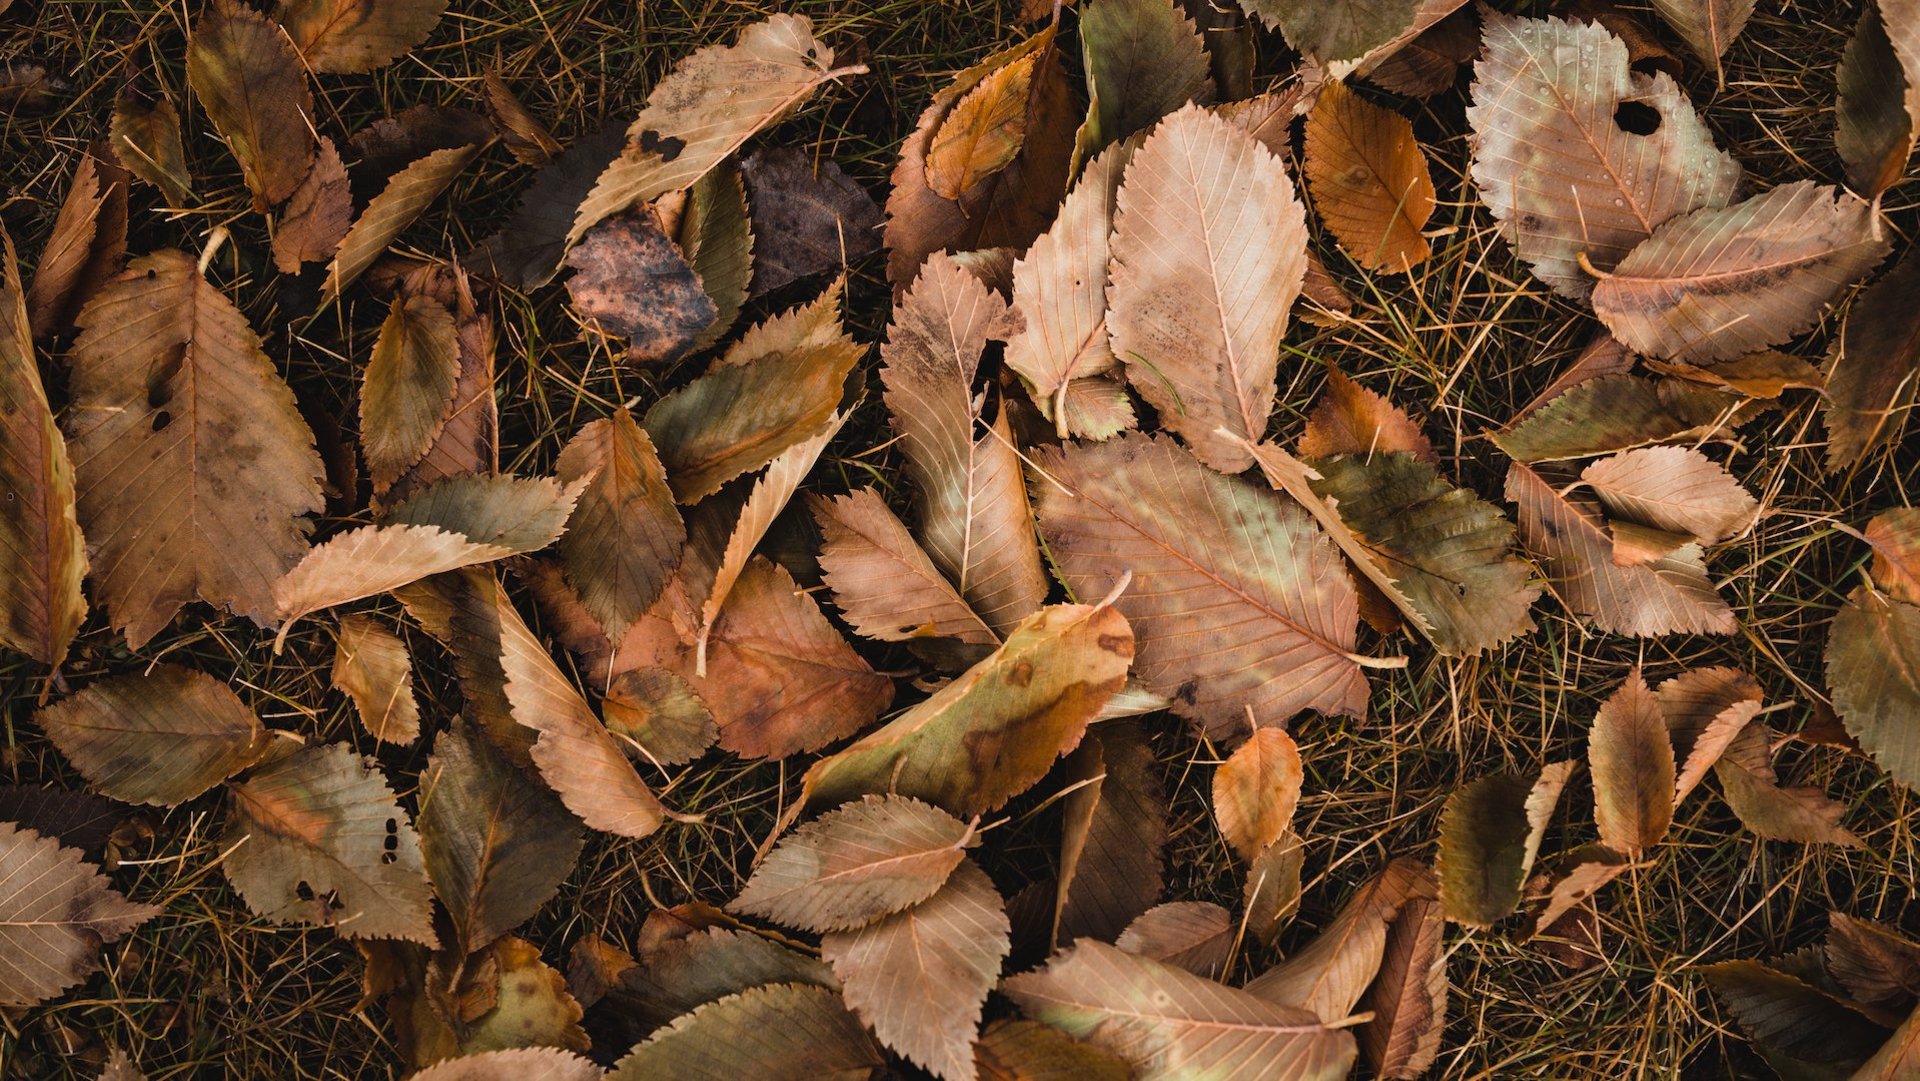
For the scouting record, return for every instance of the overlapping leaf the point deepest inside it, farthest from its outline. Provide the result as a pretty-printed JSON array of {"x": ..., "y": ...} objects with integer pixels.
[
  {"x": 161, "y": 737},
  {"x": 55, "y": 913}
]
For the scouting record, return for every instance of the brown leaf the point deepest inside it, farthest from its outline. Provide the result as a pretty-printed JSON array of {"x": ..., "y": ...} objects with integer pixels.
[
  {"x": 812, "y": 217},
  {"x": 1114, "y": 826},
  {"x": 317, "y": 215},
  {"x": 145, "y": 132},
  {"x": 29, "y": 87},
  {"x": 1790, "y": 1016},
  {"x": 1272, "y": 889},
  {"x": 994, "y": 731},
  {"x": 921, "y": 976},
  {"x": 857, "y": 864},
  {"x": 1631, "y": 757},
  {"x": 1719, "y": 283},
  {"x": 1408, "y": 998},
  {"x": 1877, "y": 106},
  {"x": 408, "y": 386},
  {"x": 987, "y": 125},
  {"x": 1256, "y": 790},
  {"x": 1873, "y": 677},
  {"x": 972, "y": 502},
  {"x": 712, "y": 102},
  {"x": 779, "y": 1032},
  {"x": 1705, "y": 709},
  {"x": 1350, "y": 419},
  {"x": 1895, "y": 536},
  {"x": 353, "y": 36},
  {"x": 188, "y": 449},
  {"x": 1426, "y": 58},
  {"x": 884, "y": 583},
  {"x": 1239, "y": 601},
  {"x": 409, "y": 193},
  {"x": 717, "y": 237},
  {"x": 526, "y": 253},
  {"x": 1011, "y": 1050},
  {"x": 517, "y": 1064},
  {"x": 1676, "y": 489},
  {"x": 1603, "y": 355},
  {"x": 1328, "y": 975},
  {"x": 316, "y": 837},
  {"x": 1369, "y": 180},
  {"x": 1566, "y": 179},
  {"x": 632, "y": 282},
  {"x": 1489, "y": 835},
  {"x": 1874, "y": 963},
  {"x": 624, "y": 538},
  {"x": 526, "y": 138},
  {"x": 657, "y": 711},
  {"x": 55, "y": 914},
  {"x": 1197, "y": 317},
  {"x": 468, "y": 441},
  {"x": 1193, "y": 935},
  {"x": 686, "y": 961},
  {"x": 594, "y": 967},
  {"x": 1610, "y": 413},
  {"x": 1873, "y": 371},
  {"x": 495, "y": 846},
  {"x": 160, "y": 737},
  {"x": 84, "y": 251},
  {"x": 528, "y": 1006},
  {"x": 372, "y": 665},
  {"x": 1338, "y": 32},
  {"x": 251, "y": 82},
  {"x": 1144, "y": 59},
  {"x": 1769, "y": 809},
  {"x": 1707, "y": 26},
  {"x": 77, "y": 819},
  {"x": 41, "y": 605},
  {"x": 121, "y": 1068}
]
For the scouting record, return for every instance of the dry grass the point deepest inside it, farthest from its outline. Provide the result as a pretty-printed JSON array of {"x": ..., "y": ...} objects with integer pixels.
[{"x": 207, "y": 991}]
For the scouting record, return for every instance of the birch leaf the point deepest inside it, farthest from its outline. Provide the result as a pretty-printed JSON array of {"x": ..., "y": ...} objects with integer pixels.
[
  {"x": 1198, "y": 307},
  {"x": 708, "y": 105},
  {"x": 1350, "y": 419},
  {"x": 1677, "y": 489},
  {"x": 408, "y": 385},
  {"x": 252, "y": 85},
  {"x": 1408, "y": 998},
  {"x": 56, "y": 912},
  {"x": 857, "y": 864},
  {"x": 371, "y": 664},
  {"x": 1011, "y": 1050},
  {"x": 1197, "y": 936},
  {"x": 1563, "y": 177},
  {"x": 1237, "y": 600},
  {"x": 658, "y": 711},
  {"x": 717, "y": 238},
  {"x": 1721, "y": 283},
  {"x": 1705, "y": 709},
  {"x": 779, "y": 1032},
  {"x": 985, "y": 130},
  {"x": 189, "y": 451},
  {"x": 40, "y": 601},
  {"x": 1329, "y": 974},
  {"x": 160, "y": 738},
  {"x": 1369, "y": 180},
  {"x": 410, "y": 192},
  {"x": 884, "y": 583},
  {"x": 1631, "y": 757},
  {"x": 1256, "y": 790},
  {"x": 145, "y": 130},
  {"x": 625, "y": 536},
  {"x": 354, "y": 36},
  {"x": 1707, "y": 26},
  {"x": 1144, "y": 59},
  {"x": 1615, "y": 412},
  {"x": 1114, "y": 826},
  {"x": 1874, "y": 369},
  {"x": 1770, "y": 809},
  {"x": 1489, "y": 835},
  {"x": 1876, "y": 964},
  {"x": 1873, "y": 676}
]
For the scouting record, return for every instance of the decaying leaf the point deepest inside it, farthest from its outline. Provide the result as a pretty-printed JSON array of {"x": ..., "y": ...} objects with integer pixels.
[
  {"x": 1876, "y": 109},
  {"x": 1705, "y": 708},
  {"x": 40, "y": 601},
  {"x": 1721, "y": 283},
  {"x": 409, "y": 193},
  {"x": 468, "y": 438},
  {"x": 1408, "y": 999},
  {"x": 1895, "y": 536},
  {"x": 1328, "y": 32},
  {"x": 1144, "y": 59},
  {"x": 1873, "y": 677},
  {"x": 357, "y": 35},
  {"x": 659, "y": 712},
  {"x": 1876, "y": 964},
  {"x": 1012, "y": 1050},
  {"x": 527, "y": 251},
  {"x": 317, "y": 215},
  {"x": 1631, "y": 757},
  {"x": 316, "y": 837},
  {"x": 188, "y": 450},
  {"x": 496, "y": 846},
  {"x": 1256, "y": 790},
  {"x": 1330, "y": 974},
  {"x": 857, "y": 864},
  {"x": 1209, "y": 250},
  {"x": 1193, "y": 935},
  {"x": 1790, "y": 1016},
  {"x": 885, "y": 585},
  {"x": 921, "y": 976},
  {"x": 1369, "y": 180},
  {"x": 995, "y": 730},
  {"x": 55, "y": 913},
  {"x": 161, "y": 737},
  {"x": 1489, "y": 835},
  {"x": 810, "y": 215},
  {"x": 717, "y": 238},
  {"x": 250, "y": 81},
  {"x": 1873, "y": 374},
  {"x": 631, "y": 281},
  {"x": 688, "y": 958},
  {"x": 1616, "y": 411},
  {"x": 987, "y": 126},
  {"x": 1767, "y": 807},
  {"x": 1350, "y": 419},
  {"x": 1556, "y": 162},
  {"x": 1707, "y": 26},
  {"x": 508, "y": 998},
  {"x": 625, "y": 536},
  {"x": 1114, "y": 826},
  {"x": 146, "y": 139},
  {"x": 777, "y": 1032},
  {"x": 1237, "y": 601},
  {"x": 711, "y": 103},
  {"x": 371, "y": 664},
  {"x": 1170, "y": 1025},
  {"x": 85, "y": 249},
  {"x": 525, "y": 137},
  {"x": 408, "y": 386}
]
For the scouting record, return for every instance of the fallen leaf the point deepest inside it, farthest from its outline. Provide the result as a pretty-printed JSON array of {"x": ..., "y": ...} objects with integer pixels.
[
  {"x": 517, "y": 1064},
  {"x": 1350, "y": 419},
  {"x": 145, "y": 131},
  {"x": 1770, "y": 809},
  {"x": 527, "y": 251},
  {"x": 1720, "y": 283},
  {"x": 56, "y": 912},
  {"x": 1237, "y": 600},
  {"x": 1615, "y": 412},
  {"x": 160, "y": 737},
  {"x": 387, "y": 145},
  {"x": 1789, "y": 1015},
  {"x": 250, "y": 81},
  {"x": 661, "y": 714},
  {"x": 77, "y": 819},
  {"x": 812, "y": 217},
  {"x": 121, "y": 1068},
  {"x": 1013, "y": 1050},
  {"x": 1876, "y": 965},
  {"x": 1339, "y": 31},
  {"x": 372, "y": 665},
  {"x": 1898, "y": 1057},
  {"x": 995, "y": 730},
  {"x": 1631, "y": 757},
  {"x": 1272, "y": 888},
  {"x": 317, "y": 215},
  {"x": 41, "y": 605},
  {"x": 316, "y": 837},
  {"x": 1329, "y": 975},
  {"x": 1169, "y": 1024},
  {"x": 1707, "y": 26},
  {"x": 29, "y": 87},
  {"x": 857, "y": 864},
  {"x": 987, "y": 125},
  {"x": 631, "y": 282},
  {"x": 1256, "y": 790},
  {"x": 1114, "y": 827},
  {"x": 1144, "y": 59},
  {"x": 921, "y": 976},
  {"x": 410, "y": 192},
  {"x": 353, "y": 36},
  {"x": 496, "y": 848},
  {"x": 1489, "y": 835},
  {"x": 1408, "y": 998},
  {"x": 717, "y": 238},
  {"x": 1873, "y": 371},
  {"x": 779, "y": 1032},
  {"x": 525, "y": 137},
  {"x": 1677, "y": 489},
  {"x": 529, "y": 1008},
  {"x": 1876, "y": 108},
  {"x": 625, "y": 536},
  {"x": 1705, "y": 708},
  {"x": 885, "y": 585},
  {"x": 1197, "y": 936},
  {"x": 686, "y": 963},
  {"x": 469, "y": 437},
  {"x": 1895, "y": 536},
  {"x": 408, "y": 386},
  {"x": 188, "y": 449},
  {"x": 1196, "y": 317},
  {"x": 712, "y": 102},
  {"x": 1556, "y": 166},
  {"x": 85, "y": 250},
  {"x": 1369, "y": 180},
  {"x": 1873, "y": 678}
]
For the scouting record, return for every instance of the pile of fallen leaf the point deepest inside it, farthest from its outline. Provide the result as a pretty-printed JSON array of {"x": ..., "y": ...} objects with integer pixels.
[{"x": 1093, "y": 284}]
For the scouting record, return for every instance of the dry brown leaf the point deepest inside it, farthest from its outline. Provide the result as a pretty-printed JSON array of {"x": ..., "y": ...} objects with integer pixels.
[
  {"x": 1329, "y": 974},
  {"x": 1877, "y": 965},
  {"x": 1877, "y": 106},
  {"x": 408, "y": 386},
  {"x": 1631, "y": 757},
  {"x": 1705, "y": 708},
  {"x": 857, "y": 864},
  {"x": 1350, "y": 419},
  {"x": 625, "y": 536},
  {"x": 353, "y": 36},
  {"x": 1012, "y": 1050},
  {"x": 1144, "y": 59},
  {"x": 468, "y": 442},
  {"x": 85, "y": 249},
  {"x": 188, "y": 450},
  {"x": 251, "y": 82},
  {"x": 1194, "y": 935},
  {"x": 1675, "y": 489},
  {"x": 1720, "y": 283},
  {"x": 921, "y": 976},
  {"x": 1561, "y": 174},
  {"x": 777, "y": 1032},
  {"x": 526, "y": 138},
  {"x": 160, "y": 737},
  {"x": 40, "y": 601},
  {"x": 1773, "y": 810},
  {"x": 1114, "y": 826},
  {"x": 1369, "y": 180},
  {"x": 659, "y": 712},
  {"x": 1895, "y": 536},
  {"x": 1256, "y": 790},
  {"x": 811, "y": 216},
  {"x": 316, "y": 837},
  {"x": 1873, "y": 373},
  {"x": 516, "y": 1064},
  {"x": 371, "y": 663},
  {"x": 317, "y": 215},
  {"x": 1209, "y": 250},
  {"x": 1337, "y": 32},
  {"x": 409, "y": 193},
  {"x": 145, "y": 132},
  {"x": 987, "y": 126},
  {"x": 1707, "y": 26},
  {"x": 884, "y": 583},
  {"x": 1873, "y": 677},
  {"x": 1424, "y": 59},
  {"x": 631, "y": 281},
  {"x": 1609, "y": 413},
  {"x": 712, "y": 102},
  {"x": 55, "y": 914},
  {"x": 1489, "y": 835},
  {"x": 1408, "y": 998}
]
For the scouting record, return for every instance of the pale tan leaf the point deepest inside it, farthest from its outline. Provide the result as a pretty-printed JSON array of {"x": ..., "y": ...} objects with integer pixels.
[
  {"x": 353, "y": 36},
  {"x": 408, "y": 386},
  {"x": 1898, "y": 1058},
  {"x": 1194, "y": 935},
  {"x": 1873, "y": 677},
  {"x": 625, "y": 536},
  {"x": 409, "y": 193},
  {"x": 1329, "y": 974},
  {"x": 710, "y": 104},
  {"x": 1113, "y": 829},
  {"x": 56, "y": 911},
  {"x": 250, "y": 81},
  {"x": 1773, "y": 810},
  {"x": 1705, "y": 709},
  {"x": 885, "y": 584},
  {"x": 1566, "y": 533},
  {"x": 1256, "y": 790},
  {"x": 1560, "y": 174},
  {"x": 994, "y": 731},
  {"x": 1719, "y": 283},
  {"x": 1237, "y": 600},
  {"x": 921, "y": 976},
  {"x": 1707, "y": 26},
  {"x": 307, "y": 842},
  {"x": 160, "y": 737},
  {"x": 1631, "y": 757},
  {"x": 1895, "y": 536},
  {"x": 779, "y": 1032},
  {"x": 40, "y": 544},
  {"x": 317, "y": 215},
  {"x": 1489, "y": 835},
  {"x": 1369, "y": 180},
  {"x": 516, "y": 1064},
  {"x": 856, "y": 864},
  {"x": 1676, "y": 489},
  {"x": 1209, "y": 251},
  {"x": 1171, "y": 1025},
  {"x": 85, "y": 249},
  {"x": 1408, "y": 998},
  {"x": 1873, "y": 373},
  {"x": 1350, "y": 419},
  {"x": 972, "y": 502},
  {"x": 194, "y": 465}
]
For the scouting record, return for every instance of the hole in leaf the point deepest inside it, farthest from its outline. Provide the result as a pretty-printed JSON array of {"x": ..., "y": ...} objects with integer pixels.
[
  {"x": 161, "y": 420},
  {"x": 1637, "y": 118}
]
